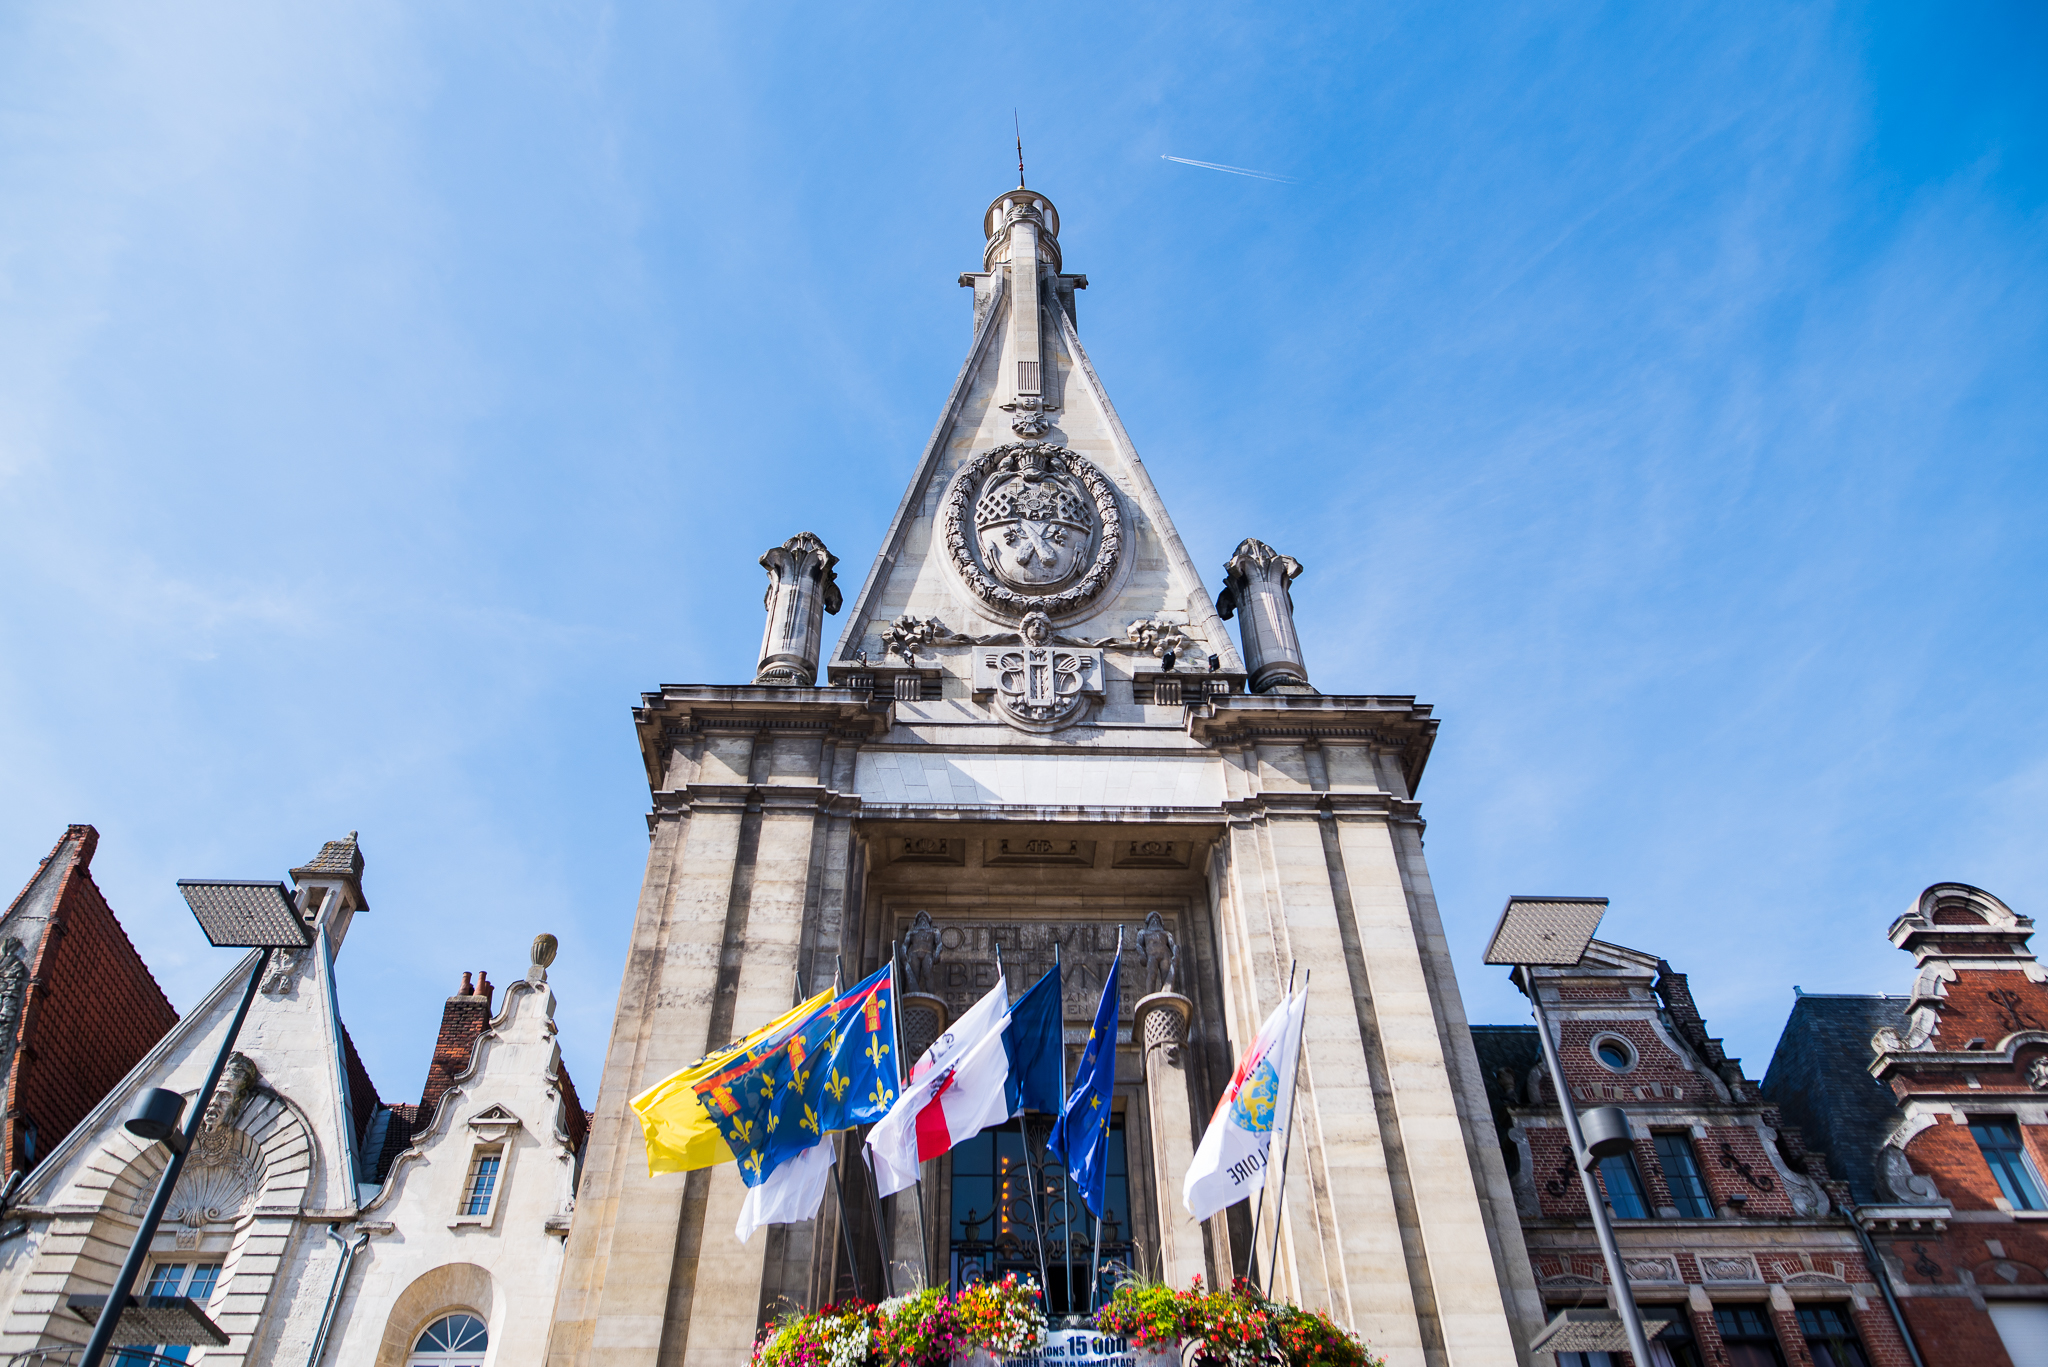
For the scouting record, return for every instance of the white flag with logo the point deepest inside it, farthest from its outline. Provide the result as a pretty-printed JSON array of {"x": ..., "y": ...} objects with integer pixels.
[{"x": 1230, "y": 1163}]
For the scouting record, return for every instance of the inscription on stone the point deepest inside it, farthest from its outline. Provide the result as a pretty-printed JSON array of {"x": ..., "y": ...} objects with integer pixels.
[{"x": 963, "y": 964}]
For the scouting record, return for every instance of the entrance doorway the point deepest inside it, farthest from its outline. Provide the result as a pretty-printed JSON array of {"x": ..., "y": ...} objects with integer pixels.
[{"x": 994, "y": 1232}]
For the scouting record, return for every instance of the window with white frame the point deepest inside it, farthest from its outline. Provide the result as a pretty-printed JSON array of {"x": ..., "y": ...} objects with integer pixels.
[
  {"x": 195, "y": 1280},
  {"x": 457, "y": 1340},
  {"x": 480, "y": 1187}
]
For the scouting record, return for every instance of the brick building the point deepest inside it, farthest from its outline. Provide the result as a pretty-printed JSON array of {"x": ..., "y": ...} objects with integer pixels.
[
  {"x": 1936, "y": 1104},
  {"x": 78, "y": 1007},
  {"x": 1729, "y": 1227}
]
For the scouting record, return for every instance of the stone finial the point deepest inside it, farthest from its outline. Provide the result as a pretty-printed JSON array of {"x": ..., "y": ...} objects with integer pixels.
[
  {"x": 544, "y": 947},
  {"x": 1256, "y": 580},
  {"x": 801, "y": 590}
]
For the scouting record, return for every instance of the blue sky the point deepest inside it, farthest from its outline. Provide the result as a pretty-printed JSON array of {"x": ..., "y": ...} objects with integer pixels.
[{"x": 390, "y": 393}]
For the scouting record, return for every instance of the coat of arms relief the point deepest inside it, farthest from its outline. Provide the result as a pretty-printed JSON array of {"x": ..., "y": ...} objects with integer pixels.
[{"x": 1036, "y": 533}]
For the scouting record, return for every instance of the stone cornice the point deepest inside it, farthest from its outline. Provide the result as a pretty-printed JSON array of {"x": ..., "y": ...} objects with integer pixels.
[
  {"x": 1398, "y": 724},
  {"x": 679, "y": 711},
  {"x": 2005, "y": 1055}
]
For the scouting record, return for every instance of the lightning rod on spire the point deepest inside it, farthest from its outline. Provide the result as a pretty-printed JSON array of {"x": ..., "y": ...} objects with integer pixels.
[{"x": 1018, "y": 124}]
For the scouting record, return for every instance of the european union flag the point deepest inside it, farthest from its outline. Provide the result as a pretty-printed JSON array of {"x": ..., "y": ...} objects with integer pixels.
[
  {"x": 1080, "y": 1138},
  {"x": 1032, "y": 1040}
]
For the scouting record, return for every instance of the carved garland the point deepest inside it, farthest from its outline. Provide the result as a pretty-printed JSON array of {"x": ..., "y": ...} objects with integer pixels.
[{"x": 959, "y": 514}]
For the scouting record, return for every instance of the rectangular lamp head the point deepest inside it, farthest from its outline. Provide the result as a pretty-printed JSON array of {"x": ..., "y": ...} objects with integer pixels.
[
  {"x": 1546, "y": 932},
  {"x": 245, "y": 915}
]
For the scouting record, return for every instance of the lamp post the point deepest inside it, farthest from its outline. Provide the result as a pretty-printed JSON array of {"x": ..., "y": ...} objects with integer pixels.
[
  {"x": 1552, "y": 932},
  {"x": 234, "y": 915}
]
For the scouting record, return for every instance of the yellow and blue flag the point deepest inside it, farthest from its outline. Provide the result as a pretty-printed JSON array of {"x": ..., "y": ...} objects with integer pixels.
[
  {"x": 1080, "y": 1137},
  {"x": 679, "y": 1133},
  {"x": 834, "y": 1070}
]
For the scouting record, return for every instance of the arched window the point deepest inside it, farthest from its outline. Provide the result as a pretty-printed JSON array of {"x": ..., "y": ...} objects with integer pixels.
[{"x": 452, "y": 1341}]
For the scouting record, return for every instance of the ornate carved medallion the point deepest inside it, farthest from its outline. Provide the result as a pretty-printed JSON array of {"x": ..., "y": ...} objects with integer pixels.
[{"x": 1033, "y": 527}]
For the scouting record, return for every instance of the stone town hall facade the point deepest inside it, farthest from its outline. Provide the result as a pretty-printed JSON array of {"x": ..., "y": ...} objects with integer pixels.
[{"x": 1037, "y": 729}]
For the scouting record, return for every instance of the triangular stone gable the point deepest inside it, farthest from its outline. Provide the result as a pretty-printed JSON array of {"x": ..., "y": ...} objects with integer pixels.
[{"x": 915, "y": 574}]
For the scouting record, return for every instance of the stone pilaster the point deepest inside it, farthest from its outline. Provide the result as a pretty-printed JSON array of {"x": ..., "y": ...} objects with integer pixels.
[
  {"x": 801, "y": 590},
  {"x": 1257, "y": 579},
  {"x": 1159, "y": 1024}
]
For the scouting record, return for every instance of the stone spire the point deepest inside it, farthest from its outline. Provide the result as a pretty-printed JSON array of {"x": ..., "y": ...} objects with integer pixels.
[
  {"x": 801, "y": 590},
  {"x": 1024, "y": 234},
  {"x": 1257, "y": 577}
]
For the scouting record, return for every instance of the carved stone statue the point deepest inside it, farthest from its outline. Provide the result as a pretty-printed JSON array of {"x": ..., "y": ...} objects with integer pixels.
[
  {"x": 13, "y": 994},
  {"x": 1160, "y": 954},
  {"x": 1256, "y": 578},
  {"x": 801, "y": 590},
  {"x": 2037, "y": 1074},
  {"x": 921, "y": 950}
]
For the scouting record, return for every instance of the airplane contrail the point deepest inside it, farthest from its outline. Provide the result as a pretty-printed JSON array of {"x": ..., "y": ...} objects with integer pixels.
[{"x": 1234, "y": 170}]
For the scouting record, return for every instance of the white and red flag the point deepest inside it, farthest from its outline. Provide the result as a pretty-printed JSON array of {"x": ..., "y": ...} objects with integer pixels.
[
  {"x": 957, "y": 1090},
  {"x": 1230, "y": 1163}
]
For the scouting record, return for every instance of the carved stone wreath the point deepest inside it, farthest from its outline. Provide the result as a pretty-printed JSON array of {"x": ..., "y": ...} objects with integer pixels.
[{"x": 1035, "y": 461}]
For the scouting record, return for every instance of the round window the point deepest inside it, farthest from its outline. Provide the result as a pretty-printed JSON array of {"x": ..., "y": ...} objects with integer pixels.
[
  {"x": 1614, "y": 1053},
  {"x": 451, "y": 1341}
]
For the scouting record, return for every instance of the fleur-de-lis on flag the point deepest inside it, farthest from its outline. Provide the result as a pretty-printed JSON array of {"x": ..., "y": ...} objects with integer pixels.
[
  {"x": 881, "y": 1096},
  {"x": 837, "y": 1084},
  {"x": 753, "y": 1161},
  {"x": 810, "y": 1120},
  {"x": 741, "y": 1129},
  {"x": 877, "y": 1051}
]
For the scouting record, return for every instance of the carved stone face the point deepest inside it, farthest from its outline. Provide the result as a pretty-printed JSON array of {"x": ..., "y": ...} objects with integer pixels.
[{"x": 1035, "y": 523}]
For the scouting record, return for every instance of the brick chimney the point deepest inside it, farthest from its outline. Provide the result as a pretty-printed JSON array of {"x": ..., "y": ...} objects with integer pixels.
[{"x": 464, "y": 1017}]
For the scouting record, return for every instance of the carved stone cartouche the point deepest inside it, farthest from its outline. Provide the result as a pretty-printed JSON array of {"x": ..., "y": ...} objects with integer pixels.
[{"x": 1033, "y": 527}]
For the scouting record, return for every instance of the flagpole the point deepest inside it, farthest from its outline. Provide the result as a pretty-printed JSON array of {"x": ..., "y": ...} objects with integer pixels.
[
  {"x": 924, "y": 1248},
  {"x": 845, "y": 1230},
  {"x": 1102, "y": 1136},
  {"x": 1066, "y": 1177},
  {"x": 1030, "y": 1180},
  {"x": 867, "y": 1169},
  {"x": 1287, "y": 1141},
  {"x": 1259, "y": 1210}
]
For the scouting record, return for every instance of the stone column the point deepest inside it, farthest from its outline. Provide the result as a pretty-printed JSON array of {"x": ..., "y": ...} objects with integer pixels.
[
  {"x": 1160, "y": 1025},
  {"x": 801, "y": 590},
  {"x": 1256, "y": 580}
]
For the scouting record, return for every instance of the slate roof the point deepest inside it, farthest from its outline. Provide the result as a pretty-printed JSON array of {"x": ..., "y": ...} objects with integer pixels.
[
  {"x": 1819, "y": 1078},
  {"x": 1506, "y": 1054}
]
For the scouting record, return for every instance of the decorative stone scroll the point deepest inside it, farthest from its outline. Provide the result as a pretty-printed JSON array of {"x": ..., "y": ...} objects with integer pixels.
[{"x": 1033, "y": 527}]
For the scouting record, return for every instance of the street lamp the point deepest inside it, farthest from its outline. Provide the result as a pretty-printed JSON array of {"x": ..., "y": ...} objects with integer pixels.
[
  {"x": 234, "y": 915},
  {"x": 1552, "y": 932}
]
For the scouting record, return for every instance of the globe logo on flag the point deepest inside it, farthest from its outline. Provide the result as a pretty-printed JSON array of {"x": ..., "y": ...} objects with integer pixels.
[{"x": 1255, "y": 1100}]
